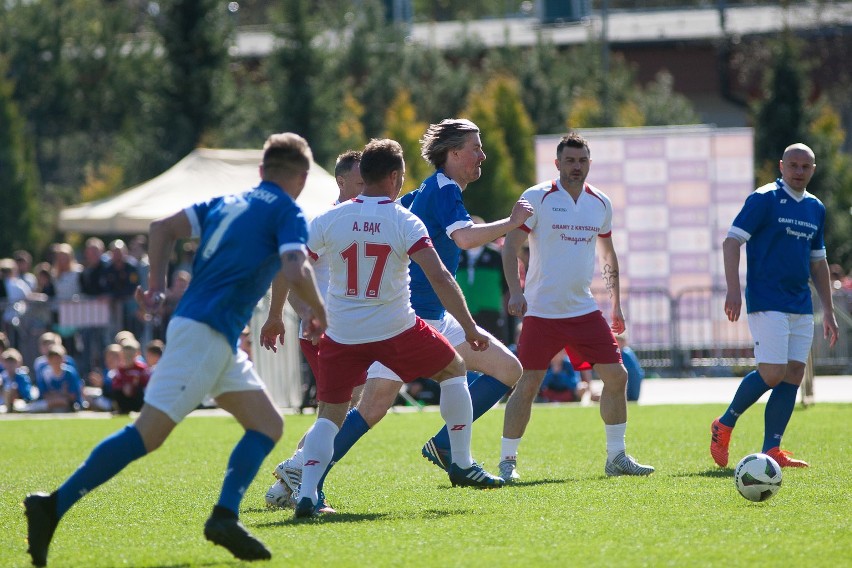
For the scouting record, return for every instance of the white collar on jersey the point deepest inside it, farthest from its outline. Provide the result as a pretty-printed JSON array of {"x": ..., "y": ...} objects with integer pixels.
[{"x": 798, "y": 196}]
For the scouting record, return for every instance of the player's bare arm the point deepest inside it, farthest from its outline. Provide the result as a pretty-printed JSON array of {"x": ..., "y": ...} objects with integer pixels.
[
  {"x": 272, "y": 332},
  {"x": 163, "y": 235},
  {"x": 731, "y": 261},
  {"x": 482, "y": 234},
  {"x": 450, "y": 295},
  {"x": 512, "y": 250},
  {"x": 822, "y": 282},
  {"x": 610, "y": 275},
  {"x": 299, "y": 275}
]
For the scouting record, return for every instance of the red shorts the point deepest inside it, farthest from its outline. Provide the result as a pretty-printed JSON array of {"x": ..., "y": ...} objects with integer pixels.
[
  {"x": 311, "y": 353},
  {"x": 586, "y": 339},
  {"x": 420, "y": 351}
]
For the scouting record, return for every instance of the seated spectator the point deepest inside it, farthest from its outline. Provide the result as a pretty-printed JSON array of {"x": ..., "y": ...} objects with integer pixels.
[
  {"x": 15, "y": 379},
  {"x": 635, "y": 372},
  {"x": 128, "y": 385},
  {"x": 60, "y": 388},
  {"x": 45, "y": 342},
  {"x": 561, "y": 382},
  {"x": 154, "y": 351},
  {"x": 98, "y": 392}
]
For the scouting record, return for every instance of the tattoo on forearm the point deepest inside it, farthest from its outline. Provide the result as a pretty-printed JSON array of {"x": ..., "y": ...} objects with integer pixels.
[{"x": 610, "y": 277}]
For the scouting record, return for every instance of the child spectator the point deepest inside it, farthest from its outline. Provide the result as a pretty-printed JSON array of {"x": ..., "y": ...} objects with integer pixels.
[
  {"x": 128, "y": 385},
  {"x": 99, "y": 391},
  {"x": 45, "y": 342},
  {"x": 153, "y": 352},
  {"x": 561, "y": 382},
  {"x": 15, "y": 379},
  {"x": 59, "y": 386}
]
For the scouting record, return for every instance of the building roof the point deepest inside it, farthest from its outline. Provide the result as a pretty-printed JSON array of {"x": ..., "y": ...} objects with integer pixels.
[{"x": 624, "y": 27}]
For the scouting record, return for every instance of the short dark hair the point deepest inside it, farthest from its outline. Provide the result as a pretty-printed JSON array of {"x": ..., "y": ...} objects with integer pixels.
[
  {"x": 572, "y": 140},
  {"x": 286, "y": 154},
  {"x": 346, "y": 161},
  {"x": 380, "y": 158},
  {"x": 439, "y": 139}
]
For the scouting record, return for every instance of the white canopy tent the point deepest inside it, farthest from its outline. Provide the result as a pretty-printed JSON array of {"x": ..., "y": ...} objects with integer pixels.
[{"x": 203, "y": 174}]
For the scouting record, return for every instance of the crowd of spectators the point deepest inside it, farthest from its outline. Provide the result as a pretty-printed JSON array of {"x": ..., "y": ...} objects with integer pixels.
[
  {"x": 54, "y": 384},
  {"x": 60, "y": 318}
]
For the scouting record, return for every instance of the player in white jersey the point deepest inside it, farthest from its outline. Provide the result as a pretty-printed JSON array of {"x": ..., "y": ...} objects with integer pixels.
[
  {"x": 288, "y": 473},
  {"x": 369, "y": 241},
  {"x": 571, "y": 220},
  {"x": 782, "y": 226},
  {"x": 245, "y": 240}
]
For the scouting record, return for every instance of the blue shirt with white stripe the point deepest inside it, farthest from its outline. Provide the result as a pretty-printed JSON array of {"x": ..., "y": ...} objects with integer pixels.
[
  {"x": 784, "y": 234},
  {"x": 438, "y": 203},
  {"x": 242, "y": 239}
]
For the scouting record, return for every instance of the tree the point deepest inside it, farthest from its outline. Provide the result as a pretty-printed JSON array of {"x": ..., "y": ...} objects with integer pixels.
[
  {"x": 402, "y": 125},
  {"x": 18, "y": 177},
  {"x": 832, "y": 182},
  {"x": 780, "y": 117},
  {"x": 306, "y": 94},
  {"x": 194, "y": 34},
  {"x": 516, "y": 126},
  {"x": 493, "y": 194}
]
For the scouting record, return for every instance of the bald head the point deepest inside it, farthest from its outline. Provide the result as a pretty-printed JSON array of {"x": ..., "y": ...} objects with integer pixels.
[{"x": 797, "y": 166}]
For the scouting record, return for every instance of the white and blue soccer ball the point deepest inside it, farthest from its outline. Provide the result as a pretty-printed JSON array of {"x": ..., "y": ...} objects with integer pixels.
[
  {"x": 758, "y": 477},
  {"x": 279, "y": 496}
]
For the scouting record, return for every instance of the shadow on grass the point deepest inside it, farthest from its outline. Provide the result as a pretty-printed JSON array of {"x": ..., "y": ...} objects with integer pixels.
[
  {"x": 715, "y": 472},
  {"x": 534, "y": 482},
  {"x": 329, "y": 518}
]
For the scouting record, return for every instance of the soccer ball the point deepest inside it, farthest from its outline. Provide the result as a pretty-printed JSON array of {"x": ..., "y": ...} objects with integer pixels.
[
  {"x": 757, "y": 477},
  {"x": 279, "y": 496}
]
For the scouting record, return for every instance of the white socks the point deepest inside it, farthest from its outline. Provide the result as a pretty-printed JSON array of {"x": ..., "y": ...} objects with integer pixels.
[
  {"x": 457, "y": 412},
  {"x": 318, "y": 451},
  {"x": 509, "y": 448},
  {"x": 615, "y": 439}
]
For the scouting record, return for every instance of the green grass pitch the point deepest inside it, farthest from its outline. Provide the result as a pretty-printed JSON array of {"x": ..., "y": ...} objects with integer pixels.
[{"x": 396, "y": 509}]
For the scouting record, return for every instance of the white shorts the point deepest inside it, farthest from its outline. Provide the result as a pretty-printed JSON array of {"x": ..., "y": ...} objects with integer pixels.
[
  {"x": 446, "y": 326},
  {"x": 780, "y": 337},
  {"x": 197, "y": 362}
]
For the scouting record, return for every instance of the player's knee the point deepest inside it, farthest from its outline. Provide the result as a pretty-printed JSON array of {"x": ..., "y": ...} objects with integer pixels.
[
  {"x": 512, "y": 373},
  {"x": 274, "y": 427},
  {"x": 456, "y": 368},
  {"x": 615, "y": 379}
]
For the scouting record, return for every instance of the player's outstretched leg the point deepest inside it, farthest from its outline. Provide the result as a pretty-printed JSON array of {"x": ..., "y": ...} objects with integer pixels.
[
  {"x": 224, "y": 528},
  {"x": 40, "y": 509}
]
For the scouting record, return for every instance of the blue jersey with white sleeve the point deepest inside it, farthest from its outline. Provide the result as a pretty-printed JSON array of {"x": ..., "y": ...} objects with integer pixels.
[
  {"x": 242, "y": 239},
  {"x": 783, "y": 234},
  {"x": 438, "y": 203}
]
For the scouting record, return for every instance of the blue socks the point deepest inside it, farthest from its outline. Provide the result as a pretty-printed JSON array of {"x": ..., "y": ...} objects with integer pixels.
[
  {"x": 108, "y": 458},
  {"x": 353, "y": 427},
  {"x": 485, "y": 392},
  {"x": 779, "y": 409},
  {"x": 750, "y": 390},
  {"x": 246, "y": 459}
]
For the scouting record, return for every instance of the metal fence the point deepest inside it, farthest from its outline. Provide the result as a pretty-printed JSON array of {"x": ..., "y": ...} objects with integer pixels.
[
  {"x": 688, "y": 333},
  {"x": 674, "y": 335}
]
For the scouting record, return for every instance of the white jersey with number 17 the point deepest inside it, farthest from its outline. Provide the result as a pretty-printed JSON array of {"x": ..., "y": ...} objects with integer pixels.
[{"x": 367, "y": 242}]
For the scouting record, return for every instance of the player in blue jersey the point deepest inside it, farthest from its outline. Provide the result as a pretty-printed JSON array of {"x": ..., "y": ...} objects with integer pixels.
[
  {"x": 782, "y": 225},
  {"x": 246, "y": 240},
  {"x": 454, "y": 148}
]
